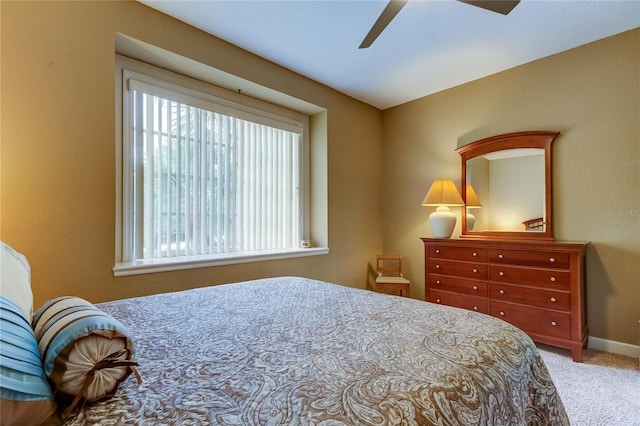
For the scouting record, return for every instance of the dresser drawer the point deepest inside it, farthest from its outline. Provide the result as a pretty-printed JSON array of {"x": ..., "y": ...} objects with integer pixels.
[
  {"x": 458, "y": 285},
  {"x": 476, "y": 271},
  {"x": 469, "y": 254},
  {"x": 545, "y": 278},
  {"x": 534, "y": 320},
  {"x": 471, "y": 303},
  {"x": 542, "y": 259},
  {"x": 549, "y": 299}
]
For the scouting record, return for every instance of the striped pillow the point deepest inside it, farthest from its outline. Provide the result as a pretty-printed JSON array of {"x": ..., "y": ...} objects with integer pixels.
[
  {"x": 25, "y": 394},
  {"x": 86, "y": 352}
]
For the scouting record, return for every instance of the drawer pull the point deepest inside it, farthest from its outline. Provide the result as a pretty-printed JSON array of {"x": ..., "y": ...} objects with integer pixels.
[
  {"x": 437, "y": 251},
  {"x": 437, "y": 266},
  {"x": 501, "y": 313},
  {"x": 437, "y": 281},
  {"x": 501, "y": 291},
  {"x": 553, "y": 323},
  {"x": 500, "y": 256},
  {"x": 552, "y": 259},
  {"x": 553, "y": 299},
  {"x": 475, "y": 254},
  {"x": 475, "y": 287},
  {"x": 438, "y": 300},
  {"x": 553, "y": 279},
  {"x": 501, "y": 273},
  {"x": 475, "y": 308},
  {"x": 475, "y": 270}
]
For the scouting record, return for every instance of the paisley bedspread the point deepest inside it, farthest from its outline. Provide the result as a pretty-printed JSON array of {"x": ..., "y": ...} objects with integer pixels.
[{"x": 294, "y": 351}]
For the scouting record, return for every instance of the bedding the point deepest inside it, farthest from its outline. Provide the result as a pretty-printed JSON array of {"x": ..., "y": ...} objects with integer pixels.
[
  {"x": 25, "y": 396},
  {"x": 15, "y": 279},
  {"x": 86, "y": 353},
  {"x": 294, "y": 351}
]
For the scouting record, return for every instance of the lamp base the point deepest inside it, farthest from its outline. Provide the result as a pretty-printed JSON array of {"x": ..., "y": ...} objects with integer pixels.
[
  {"x": 442, "y": 222},
  {"x": 471, "y": 220}
]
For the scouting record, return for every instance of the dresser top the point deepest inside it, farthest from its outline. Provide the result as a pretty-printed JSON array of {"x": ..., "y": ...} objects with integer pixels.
[{"x": 510, "y": 243}]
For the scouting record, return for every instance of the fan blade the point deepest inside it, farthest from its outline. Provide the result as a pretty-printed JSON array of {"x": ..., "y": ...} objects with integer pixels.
[
  {"x": 500, "y": 6},
  {"x": 389, "y": 12}
]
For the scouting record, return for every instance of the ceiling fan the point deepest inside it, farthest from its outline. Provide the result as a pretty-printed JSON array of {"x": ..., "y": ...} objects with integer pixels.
[{"x": 394, "y": 6}]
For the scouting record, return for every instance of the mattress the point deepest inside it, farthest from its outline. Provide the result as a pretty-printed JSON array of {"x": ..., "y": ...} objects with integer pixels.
[{"x": 295, "y": 351}]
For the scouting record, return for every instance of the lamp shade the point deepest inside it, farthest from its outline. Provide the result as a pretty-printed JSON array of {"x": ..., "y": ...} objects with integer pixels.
[
  {"x": 472, "y": 198},
  {"x": 443, "y": 192}
]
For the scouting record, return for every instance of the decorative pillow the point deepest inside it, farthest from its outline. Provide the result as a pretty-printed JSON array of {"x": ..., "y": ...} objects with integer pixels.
[
  {"x": 86, "y": 352},
  {"x": 15, "y": 279},
  {"x": 25, "y": 395}
]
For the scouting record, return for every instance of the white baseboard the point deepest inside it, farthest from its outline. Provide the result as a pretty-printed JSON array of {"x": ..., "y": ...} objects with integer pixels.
[{"x": 614, "y": 347}]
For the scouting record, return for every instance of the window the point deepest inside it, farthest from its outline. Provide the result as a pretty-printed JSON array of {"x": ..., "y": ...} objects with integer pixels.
[{"x": 206, "y": 180}]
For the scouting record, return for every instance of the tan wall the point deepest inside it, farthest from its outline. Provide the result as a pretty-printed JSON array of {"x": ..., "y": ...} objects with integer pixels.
[
  {"x": 58, "y": 151},
  {"x": 591, "y": 94}
]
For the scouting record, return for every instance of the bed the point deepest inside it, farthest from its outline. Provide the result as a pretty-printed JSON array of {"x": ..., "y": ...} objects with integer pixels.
[{"x": 295, "y": 351}]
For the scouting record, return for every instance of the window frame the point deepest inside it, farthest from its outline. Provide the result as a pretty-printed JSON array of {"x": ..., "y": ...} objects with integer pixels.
[{"x": 127, "y": 68}]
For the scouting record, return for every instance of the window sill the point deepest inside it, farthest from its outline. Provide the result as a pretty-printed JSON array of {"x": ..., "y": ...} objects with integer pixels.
[{"x": 190, "y": 262}]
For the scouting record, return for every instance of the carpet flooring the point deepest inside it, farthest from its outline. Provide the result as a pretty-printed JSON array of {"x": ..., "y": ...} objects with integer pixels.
[{"x": 603, "y": 390}]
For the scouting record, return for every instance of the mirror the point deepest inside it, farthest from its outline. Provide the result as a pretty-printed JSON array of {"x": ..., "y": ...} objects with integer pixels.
[{"x": 506, "y": 184}]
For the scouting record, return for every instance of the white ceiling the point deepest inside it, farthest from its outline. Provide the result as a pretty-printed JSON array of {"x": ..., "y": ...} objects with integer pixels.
[{"x": 431, "y": 45}]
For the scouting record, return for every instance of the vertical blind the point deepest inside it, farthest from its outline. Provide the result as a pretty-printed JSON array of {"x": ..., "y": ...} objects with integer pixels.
[{"x": 207, "y": 182}]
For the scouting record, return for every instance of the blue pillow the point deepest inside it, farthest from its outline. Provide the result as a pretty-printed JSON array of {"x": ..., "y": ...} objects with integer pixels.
[{"x": 25, "y": 394}]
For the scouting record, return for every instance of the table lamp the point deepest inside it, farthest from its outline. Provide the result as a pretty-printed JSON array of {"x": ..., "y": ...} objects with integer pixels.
[
  {"x": 443, "y": 193},
  {"x": 472, "y": 203}
]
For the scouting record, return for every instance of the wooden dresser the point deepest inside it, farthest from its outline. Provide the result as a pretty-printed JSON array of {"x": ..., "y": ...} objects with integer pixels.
[{"x": 538, "y": 286}]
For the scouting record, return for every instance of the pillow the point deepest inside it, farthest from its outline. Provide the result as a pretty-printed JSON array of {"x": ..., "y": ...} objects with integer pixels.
[
  {"x": 86, "y": 352},
  {"x": 25, "y": 395},
  {"x": 15, "y": 279}
]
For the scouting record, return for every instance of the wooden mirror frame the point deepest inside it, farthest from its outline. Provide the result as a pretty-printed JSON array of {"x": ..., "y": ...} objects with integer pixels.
[{"x": 530, "y": 139}]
